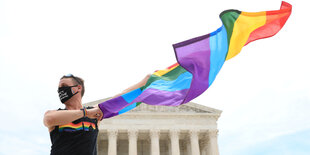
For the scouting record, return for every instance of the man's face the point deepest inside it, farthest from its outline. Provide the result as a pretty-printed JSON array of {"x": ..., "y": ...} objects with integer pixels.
[{"x": 65, "y": 82}]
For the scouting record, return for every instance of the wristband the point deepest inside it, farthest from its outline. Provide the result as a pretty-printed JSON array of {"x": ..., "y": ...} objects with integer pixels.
[{"x": 84, "y": 112}]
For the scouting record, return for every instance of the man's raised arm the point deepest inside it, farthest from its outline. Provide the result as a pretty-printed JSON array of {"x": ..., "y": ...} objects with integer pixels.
[{"x": 135, "y": 86}]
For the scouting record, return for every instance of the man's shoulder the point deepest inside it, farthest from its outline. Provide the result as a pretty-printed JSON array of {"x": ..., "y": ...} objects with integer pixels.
[{"x": 87, "y": 107}]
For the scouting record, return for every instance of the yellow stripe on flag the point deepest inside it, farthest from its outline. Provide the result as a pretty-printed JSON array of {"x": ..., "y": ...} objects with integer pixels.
[{"x": 246, "y": 23}]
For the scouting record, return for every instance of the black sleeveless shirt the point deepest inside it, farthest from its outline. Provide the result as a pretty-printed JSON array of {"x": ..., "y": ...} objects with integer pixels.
[{"x": 76, "y": 138}]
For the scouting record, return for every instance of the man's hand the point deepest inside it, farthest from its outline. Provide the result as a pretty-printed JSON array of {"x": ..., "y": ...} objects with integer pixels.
[{"x": 94, "y": 113}]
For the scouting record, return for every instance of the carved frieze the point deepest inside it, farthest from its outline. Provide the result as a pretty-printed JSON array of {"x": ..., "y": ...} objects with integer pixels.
[{"x": 178, "y": 109}]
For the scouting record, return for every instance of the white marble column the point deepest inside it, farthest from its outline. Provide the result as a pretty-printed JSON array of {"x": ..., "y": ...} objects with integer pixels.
[
  {"x": 169, "y": 147},
  {"x": 112, "y": 136},
  {"x": 212, "y": 143},
  {"x": 204, "y": 147},
  {"x": 188, "y": 147},
  {"x": 155, "y": 141},
  {"x": 174, "y": 139},
  {"x": 132, "y": 139},
  {"x": 194, "y": 140}
]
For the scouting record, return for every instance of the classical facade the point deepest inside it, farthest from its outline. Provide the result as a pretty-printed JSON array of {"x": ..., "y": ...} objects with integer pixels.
[{"x": 189, "y": 129}]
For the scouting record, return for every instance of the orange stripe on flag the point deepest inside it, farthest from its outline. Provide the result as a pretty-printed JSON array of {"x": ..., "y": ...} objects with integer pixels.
[
  {"x": 275, "y": 20},
  {"x": 165, "y": 71}
]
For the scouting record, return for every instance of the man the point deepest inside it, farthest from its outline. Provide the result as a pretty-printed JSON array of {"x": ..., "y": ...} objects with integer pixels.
[{"x": 74, "y": 130}]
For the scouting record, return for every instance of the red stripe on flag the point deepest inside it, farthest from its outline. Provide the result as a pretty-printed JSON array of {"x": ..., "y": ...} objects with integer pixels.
[{"x": 275, "y": 20}]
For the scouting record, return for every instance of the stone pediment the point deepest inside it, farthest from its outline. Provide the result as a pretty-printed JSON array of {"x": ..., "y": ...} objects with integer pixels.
[{"x": 185, "y": 108}]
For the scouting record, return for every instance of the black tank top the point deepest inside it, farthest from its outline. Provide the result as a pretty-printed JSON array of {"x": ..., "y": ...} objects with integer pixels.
[{"x": 76, "y": 138}]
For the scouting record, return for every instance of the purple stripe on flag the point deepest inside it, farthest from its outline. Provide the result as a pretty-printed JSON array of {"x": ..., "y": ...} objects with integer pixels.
[
  {"x": 111, "y": 107},
  {"x": 160, "y": 97},
  {"x": 194, "y": 56}
]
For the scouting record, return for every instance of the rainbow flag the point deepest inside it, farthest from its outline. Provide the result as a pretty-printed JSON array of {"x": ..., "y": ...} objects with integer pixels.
[{"x": 200, "y": 59}]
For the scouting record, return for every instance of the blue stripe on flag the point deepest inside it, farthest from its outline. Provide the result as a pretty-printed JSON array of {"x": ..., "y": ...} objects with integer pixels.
[
  {"x": 127, "y": 108},
  {"x": 182, "y": 82},
  {"x": 219, "y": 49},
  {"x": 128, "y": 97}
]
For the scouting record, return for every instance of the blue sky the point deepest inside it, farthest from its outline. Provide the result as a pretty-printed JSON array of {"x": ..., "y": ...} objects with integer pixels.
[
  {"x": 295, "y": 143},
  {"x": 264, "y": 92}
]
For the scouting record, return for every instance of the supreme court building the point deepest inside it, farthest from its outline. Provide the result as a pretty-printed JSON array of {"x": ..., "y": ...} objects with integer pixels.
[{"x": 189, "y": 129}]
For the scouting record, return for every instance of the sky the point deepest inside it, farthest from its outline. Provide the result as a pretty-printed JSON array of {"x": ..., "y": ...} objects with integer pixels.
[{"x": 264, "y": 92}]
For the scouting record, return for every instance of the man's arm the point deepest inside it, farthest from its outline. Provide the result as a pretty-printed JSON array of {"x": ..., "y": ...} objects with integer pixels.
[
  {"x": 135, "y": 86},
  {"x": 53, "y": 118}
]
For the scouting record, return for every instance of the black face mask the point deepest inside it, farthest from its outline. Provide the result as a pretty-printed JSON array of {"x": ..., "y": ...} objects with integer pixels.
[{"x": 65, "y": 93}]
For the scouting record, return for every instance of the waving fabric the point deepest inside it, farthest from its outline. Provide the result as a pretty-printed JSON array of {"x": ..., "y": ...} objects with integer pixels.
[{"x": 200, "y": 59}]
